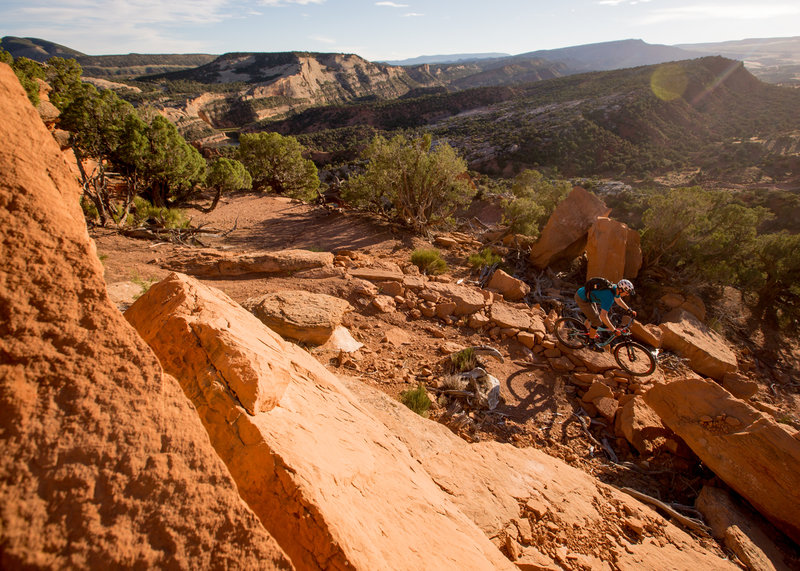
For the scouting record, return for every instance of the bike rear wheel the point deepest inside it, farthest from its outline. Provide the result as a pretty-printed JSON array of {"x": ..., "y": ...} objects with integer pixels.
[
  {"x": 635, "y": 358},
  {"x": 571, "y": 332}
]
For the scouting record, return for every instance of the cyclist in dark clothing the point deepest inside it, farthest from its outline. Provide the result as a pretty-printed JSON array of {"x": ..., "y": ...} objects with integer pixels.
[{"x": 605, "y": 298}]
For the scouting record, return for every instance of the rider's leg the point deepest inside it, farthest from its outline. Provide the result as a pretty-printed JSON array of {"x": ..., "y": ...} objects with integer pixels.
[{"x": 592, "y": 321}]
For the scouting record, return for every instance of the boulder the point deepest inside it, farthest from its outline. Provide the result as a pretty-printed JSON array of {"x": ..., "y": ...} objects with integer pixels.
[
  {"x": 300, "y": 315},
  {"x": 564, "y": 235},
  {"x": 527, "y": 339},
  {"x": 498, "y": 485},
  {"x": 694, "y": 305},
  {"x": 511, "y": 288},
  {"x": 739, "y": 386},
  {"x": 606, "y": 249},
  {"x": 633, "y": 254},
  {"x": 504, "y": 315},
  {"x": 642, "y": 427},
  {"x": 538, "y": 322},
  {"x": 396, "y": 337},
  {"x": 206, "y": 262},
  {"x": 746, "y": 534},
  {"x": 594, "y": 362},
  {"x": 607, "y": 407},
  {"x": 384, "y": 304},
  {"x": 691, "y": 303},
  {"x": 749, "y": 451},
  {"x": 331, "y": 483},
  {"x": 647, "y": 333},
  {"x": 467, "y": 300},
  {"x": 104, "y": 462},
  {"x": 342, "y": 341},
  {"x": 708, "y": 353},
  {"x": 597, "y": 390}
]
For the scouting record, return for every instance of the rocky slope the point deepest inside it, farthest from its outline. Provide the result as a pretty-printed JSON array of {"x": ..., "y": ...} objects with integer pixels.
[
  {"x": 330, "y": 466},
  {"x": 104, "y": 463}
]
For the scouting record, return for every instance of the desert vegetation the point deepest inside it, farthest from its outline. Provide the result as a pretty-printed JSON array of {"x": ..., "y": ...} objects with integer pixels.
[
  {"x": 410, "y": 160},
  {"x": 411, "y": 181}
]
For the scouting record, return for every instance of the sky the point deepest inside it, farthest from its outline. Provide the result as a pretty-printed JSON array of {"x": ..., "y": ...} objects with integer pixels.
[{"x": 381, "y": 30}]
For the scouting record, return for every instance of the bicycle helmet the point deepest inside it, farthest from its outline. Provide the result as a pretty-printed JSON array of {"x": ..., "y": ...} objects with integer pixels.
[{"x": 625, "y": 286}]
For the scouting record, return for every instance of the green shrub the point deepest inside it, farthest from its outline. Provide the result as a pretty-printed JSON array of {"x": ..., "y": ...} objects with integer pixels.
[
  {"x": 143, "y": 283},
  {"x": 464, "y": 360},
  {"x": 276, "y": 163},
  {"x": 417, "y": 400},
  {"x": 484, "y": 258},
  {"x": 534, "y": 200},
  {"x": 419, "y": 184},
  {"x": 89, "y": 209},
  {"x": 429, "y": 262},
  {"x": 170, "y": 218}
]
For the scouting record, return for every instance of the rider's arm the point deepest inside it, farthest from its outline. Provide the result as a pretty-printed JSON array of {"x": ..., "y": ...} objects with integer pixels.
[
  {"x": 620, "y": 302},
  {"x": 606, "y": 320}
]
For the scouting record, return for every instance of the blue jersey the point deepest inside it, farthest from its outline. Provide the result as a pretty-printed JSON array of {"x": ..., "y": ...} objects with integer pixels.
[{"x": 604, "y": 297}]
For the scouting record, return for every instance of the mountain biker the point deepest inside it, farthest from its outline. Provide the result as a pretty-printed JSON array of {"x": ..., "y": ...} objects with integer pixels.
[{"x": 605, "y": 298}]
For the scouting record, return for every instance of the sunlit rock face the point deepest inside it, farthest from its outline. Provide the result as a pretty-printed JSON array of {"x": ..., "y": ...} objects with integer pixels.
[{"x": 104, "y": 463}]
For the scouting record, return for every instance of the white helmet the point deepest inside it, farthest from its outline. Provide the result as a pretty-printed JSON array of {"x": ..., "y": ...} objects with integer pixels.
[{"x": 625, "y": 286}]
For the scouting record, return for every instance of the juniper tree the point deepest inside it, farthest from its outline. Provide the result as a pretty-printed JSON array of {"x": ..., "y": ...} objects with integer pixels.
[
  {"x": 424, "y": 184},
  {"x": 276, "y": 163}
]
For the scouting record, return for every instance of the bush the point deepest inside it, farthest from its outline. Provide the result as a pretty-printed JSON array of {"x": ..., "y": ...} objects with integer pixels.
[
  {"x": 464, "y": 360},
  {"x": 170, "y": 218},
  {"x": 419, "y": 184},
  {"x": 429, "y": 262},
  {"x": 417, "y": 400},
  {"x": 534, "y": 201},
  {"x": 484, "y": 259},
  {"x": 276, "y": 163}
]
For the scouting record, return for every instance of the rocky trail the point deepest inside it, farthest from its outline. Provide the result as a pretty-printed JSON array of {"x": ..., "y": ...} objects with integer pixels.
[{"x": 541, "y": 406}]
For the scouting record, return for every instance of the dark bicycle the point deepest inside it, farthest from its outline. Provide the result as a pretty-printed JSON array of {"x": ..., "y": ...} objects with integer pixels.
[{"x": 630, "y": 355}]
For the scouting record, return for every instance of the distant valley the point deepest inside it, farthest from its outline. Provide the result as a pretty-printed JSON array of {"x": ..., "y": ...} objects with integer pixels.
[{"x": 585, "y": 110}]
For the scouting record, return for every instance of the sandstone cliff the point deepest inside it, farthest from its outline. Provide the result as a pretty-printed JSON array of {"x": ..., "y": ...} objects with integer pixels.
[{"x": 103, "y": 462}]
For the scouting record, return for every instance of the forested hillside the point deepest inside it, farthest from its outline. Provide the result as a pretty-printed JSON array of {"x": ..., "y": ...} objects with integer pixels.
[{"x": 708, "y": 113}]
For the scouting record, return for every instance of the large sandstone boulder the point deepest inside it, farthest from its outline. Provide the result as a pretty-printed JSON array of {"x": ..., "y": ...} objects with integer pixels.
[
  {"x": 642, "y": 427},
  {"x": 215, "y": 264},
  {"x": 332, "y": 484},
  {"x": 708, "y": 353},
  {"x": 104, "y": 463},
  {"x": 300, "y": 315},
  {"x": 647, "y": 333},
  {"x": 607, "y": 249},
  {"x": 752, "y": 453},
  {"x": 538, "y": 506},
  {"x": 564, "y": 235},
  {"x": 633, "y": 254},
  {"x": 742, "y": 531}
]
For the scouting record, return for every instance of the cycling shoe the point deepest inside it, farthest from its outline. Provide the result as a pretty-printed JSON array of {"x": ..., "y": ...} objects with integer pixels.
[{"x": 594, "y": 347}]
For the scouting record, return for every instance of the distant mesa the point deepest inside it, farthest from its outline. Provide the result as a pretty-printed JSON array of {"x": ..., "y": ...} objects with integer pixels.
[{"x": 451, "y": 58}]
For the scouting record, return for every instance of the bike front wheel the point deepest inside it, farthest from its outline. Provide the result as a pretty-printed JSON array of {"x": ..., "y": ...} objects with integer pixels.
[
  {"x": 571, "y": 332},
  {"x": 635, "y": 358}
]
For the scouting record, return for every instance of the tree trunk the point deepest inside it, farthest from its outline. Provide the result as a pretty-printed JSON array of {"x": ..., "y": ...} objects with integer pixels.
[{"x": 213, "y": 202}]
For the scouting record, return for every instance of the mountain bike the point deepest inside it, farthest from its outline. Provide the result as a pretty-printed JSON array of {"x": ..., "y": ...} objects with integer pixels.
[{"x": 630, "y": 355}]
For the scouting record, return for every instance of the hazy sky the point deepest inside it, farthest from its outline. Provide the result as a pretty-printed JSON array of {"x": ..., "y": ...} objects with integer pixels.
[{"x": 387, "y": 30}]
